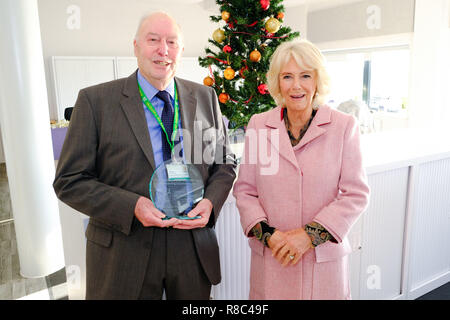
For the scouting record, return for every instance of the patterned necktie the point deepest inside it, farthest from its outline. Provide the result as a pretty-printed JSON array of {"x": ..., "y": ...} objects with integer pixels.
[{"x": 167, "y": 120}]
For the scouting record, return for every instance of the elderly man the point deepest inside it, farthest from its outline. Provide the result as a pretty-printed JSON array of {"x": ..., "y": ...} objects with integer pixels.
[{"x": 114, "y": 144}]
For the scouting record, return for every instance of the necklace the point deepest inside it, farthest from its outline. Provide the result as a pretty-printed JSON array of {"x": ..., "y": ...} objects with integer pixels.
[{"x": 294, "y": 140}]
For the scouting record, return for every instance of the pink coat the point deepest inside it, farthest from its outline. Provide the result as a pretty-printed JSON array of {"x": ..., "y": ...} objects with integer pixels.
[{"x": 321, "y": 179}]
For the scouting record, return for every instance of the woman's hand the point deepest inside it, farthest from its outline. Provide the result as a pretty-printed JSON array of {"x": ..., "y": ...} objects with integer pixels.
[
  {"x": 293, "y": 243},
  {"x": 278, "y": 238}
]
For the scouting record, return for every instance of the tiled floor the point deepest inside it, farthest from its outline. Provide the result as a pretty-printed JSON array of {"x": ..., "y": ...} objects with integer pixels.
[
  {"x": 12, "y": 284},
  {"x": 5, "y": 200}
]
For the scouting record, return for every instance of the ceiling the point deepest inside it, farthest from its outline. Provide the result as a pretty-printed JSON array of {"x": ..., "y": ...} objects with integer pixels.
[
  {"x": 317, "y": 4},
  {"x": 312, "y": 4}
]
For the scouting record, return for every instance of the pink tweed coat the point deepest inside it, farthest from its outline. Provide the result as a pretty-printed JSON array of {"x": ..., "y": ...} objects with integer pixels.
[{"x": 321, "y": 179}]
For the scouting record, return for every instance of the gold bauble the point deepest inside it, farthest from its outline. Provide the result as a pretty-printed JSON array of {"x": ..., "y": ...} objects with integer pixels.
[
  {"x": 272, "y": 25},
  {"x": 229, "y": 73},
  {"x": 225, "y": 15},
  {"x": 219, "y": 35},
  {"x": 255, "y": 56},
  {"x": 208, "y": 81}
]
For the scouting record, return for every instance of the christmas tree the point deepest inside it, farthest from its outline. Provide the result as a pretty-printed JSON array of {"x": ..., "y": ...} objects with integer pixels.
[{"x": 240, "y": 55}]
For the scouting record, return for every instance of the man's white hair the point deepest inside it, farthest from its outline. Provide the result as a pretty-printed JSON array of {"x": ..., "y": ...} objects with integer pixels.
[{"x": 147, "y": 15}]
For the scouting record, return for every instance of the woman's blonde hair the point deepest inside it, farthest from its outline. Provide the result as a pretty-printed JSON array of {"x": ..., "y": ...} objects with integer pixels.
[{"x": 308, "y": 57}]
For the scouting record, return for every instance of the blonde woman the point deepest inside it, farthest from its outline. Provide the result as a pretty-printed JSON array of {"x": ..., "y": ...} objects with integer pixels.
[{"x": 298, "y": 216}]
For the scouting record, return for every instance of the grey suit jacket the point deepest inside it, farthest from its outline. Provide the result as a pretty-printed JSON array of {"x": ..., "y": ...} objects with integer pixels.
[{"x": 106, "y": 164}]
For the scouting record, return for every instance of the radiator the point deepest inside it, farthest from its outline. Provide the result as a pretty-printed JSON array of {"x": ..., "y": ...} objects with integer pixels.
[{"x": 234, "y": 255}]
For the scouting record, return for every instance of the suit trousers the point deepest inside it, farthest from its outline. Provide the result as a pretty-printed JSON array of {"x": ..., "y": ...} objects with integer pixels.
[{"x": 174, "y": 267}]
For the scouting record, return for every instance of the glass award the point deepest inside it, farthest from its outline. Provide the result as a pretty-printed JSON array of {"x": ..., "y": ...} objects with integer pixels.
[{"x": 175, "y": 188}]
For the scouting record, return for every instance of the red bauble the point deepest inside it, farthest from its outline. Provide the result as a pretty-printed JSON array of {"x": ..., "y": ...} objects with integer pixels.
[
  {"x": 264, "y": 4},
  {"x": 262, "y": 88},
  {"x": 226, "y": 49}
]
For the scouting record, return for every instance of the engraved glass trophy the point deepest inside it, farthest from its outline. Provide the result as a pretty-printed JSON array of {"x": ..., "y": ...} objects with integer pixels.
[{"x": 175, "y": 188}]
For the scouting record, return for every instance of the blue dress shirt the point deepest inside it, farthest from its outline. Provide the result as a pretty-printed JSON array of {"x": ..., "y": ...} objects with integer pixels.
[{"x": 154, "y": 129}]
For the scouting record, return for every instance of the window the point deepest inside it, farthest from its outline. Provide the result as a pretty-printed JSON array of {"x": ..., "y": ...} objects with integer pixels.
[
  {"x": 346, "y": 72},
  {"x": 389, "y": 80},
  {"x": 379, "y": 77}
]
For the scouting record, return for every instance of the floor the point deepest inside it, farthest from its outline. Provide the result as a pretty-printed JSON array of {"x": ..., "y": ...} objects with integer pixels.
[
  {"x": 12, "y": 284},
  {"x": 441, "y": 293}
]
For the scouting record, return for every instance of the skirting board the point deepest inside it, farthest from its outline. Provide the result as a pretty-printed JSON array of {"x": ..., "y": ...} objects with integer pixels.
[{"x": 429, "y": 286}]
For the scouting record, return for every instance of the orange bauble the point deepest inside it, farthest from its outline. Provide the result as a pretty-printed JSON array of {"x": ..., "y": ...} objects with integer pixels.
[
  {"x": 229, "y": 73},
  {"x": 255, "y": 56},
  {"x": 280, "y": 15},
  {"x": 224, "y": 97},
  {"x": 225, "y": 15},
  {"x": 208, "y": 81}
]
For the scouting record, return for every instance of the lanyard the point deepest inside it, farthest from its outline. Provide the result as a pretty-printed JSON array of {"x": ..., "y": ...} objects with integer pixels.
[{"x": 176, "y": 116}]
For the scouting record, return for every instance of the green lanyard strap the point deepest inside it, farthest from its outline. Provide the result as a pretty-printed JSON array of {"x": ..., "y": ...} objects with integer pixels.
[{"x": 176, "y": 116}]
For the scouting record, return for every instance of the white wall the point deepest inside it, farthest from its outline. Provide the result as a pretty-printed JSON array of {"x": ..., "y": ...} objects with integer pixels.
[
  {"x": 422, "y": 25},
  {"x": 296, "y": 18},
  {"x": 107, "y": 27},
  {"x": 361, "y": 19},
  {"x": 430, "y": 79}
]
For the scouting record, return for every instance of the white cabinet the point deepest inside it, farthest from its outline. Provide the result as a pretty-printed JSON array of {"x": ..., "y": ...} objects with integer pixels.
[
  {"x": 125, "y": 66},
  {"x": 382, "y": 235},
  {"x": 429, "y": 249},
  {"x": 70, "y": 74}
]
